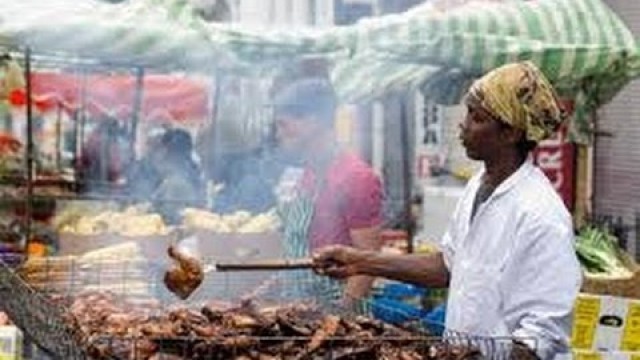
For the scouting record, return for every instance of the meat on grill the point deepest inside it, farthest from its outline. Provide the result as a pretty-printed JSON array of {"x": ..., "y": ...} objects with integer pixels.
[{"x": 114, "y": 329}]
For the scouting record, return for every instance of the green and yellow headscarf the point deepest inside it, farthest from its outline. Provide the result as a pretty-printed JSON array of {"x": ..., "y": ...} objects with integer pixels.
[{"x": 520, "y": 95}]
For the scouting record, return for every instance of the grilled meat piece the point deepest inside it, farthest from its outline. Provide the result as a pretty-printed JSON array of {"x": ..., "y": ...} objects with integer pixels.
[
  {"x": 163, "y": 356},
  {"x": 454, "y": 352},
  {"x": 329, "y": 328},
  {"x": 111, "y": 328},
  {"x": 159, "y": 328},
  {"x": 186, "y": 274}
]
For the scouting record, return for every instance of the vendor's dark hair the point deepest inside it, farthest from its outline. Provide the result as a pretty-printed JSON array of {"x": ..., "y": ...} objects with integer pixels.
[
  {"x": 312, "y": 98},
  {"x": 179, "y": 146},
  {"x": 177, "y": 142}
]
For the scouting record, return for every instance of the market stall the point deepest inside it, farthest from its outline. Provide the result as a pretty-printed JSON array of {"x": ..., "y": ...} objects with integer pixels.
[
  {"x": 165, "y": 97},
  {"x": 117, "y": 277}
]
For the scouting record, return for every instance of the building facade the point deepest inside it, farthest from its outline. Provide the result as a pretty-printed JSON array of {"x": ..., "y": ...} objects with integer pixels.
[{"x": 617, "y": 153}]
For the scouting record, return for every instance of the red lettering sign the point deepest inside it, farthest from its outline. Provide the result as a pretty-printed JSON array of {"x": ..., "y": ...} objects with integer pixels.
[{"x": 556, "y": 157}]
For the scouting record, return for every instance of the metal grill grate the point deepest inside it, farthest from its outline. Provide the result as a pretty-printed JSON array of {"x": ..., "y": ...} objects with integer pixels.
[{"x": 39, "y": 296}]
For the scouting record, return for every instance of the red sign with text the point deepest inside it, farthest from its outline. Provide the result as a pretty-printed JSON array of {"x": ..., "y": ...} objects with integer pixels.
[{"x": 556, "y": 157}]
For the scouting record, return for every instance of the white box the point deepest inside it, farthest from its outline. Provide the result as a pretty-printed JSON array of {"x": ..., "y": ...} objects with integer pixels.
[
  {"x": 10, "y": 343},
  {"x": 606, "y": 323},
  {"x": 599, "y": 355}
]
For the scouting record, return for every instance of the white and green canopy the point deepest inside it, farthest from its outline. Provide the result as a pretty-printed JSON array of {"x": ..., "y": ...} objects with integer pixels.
[
  {"x": 582, "y": 46},
  {"x": 132, "y": 32}
]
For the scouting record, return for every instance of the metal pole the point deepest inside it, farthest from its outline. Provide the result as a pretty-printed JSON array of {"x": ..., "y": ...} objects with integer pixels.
[
  {"x": 208, "y": 142},
  {"x": 76, "y": 134},
  {"x": 79, "y": 133},
  {"x": 406, "y": 174},
  {"x": 136, "y": 112},
  {"x": 637, "y": 237},
  {"x": 58, "y": 137},
  {"x": 30, "y": 147},
  {"x": 215, "y": 150},
  {"x": 83, "y": 113}
]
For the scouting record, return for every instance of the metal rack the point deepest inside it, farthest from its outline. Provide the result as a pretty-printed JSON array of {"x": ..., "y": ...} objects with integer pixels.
[
  {"x": 35, "y": 314},
  {"x": 28, "y": 179},
  {"x": 40, "y": 294}
]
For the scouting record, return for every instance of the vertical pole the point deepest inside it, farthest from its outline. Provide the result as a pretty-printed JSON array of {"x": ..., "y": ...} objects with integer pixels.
[
  {"x": 75, "y": 117},
  {"x": 30, "y": 147},
  {"x": 637, "y": 235},
  {"x": 377, "y": 137},
  {"x": 80, "y": 120},
  {"x": 136, "y": 112},
  {"x": 58, "y": 137},
  {"x": 76, "y": 134},
  {"x": 406, "y": 173},
  {"x": 215, "y": 149},
  {"x": 208, "y": 142},
  {"x": 82, "y": 113}
]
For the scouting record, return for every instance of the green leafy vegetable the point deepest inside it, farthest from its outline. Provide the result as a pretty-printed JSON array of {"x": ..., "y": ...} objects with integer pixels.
[{"x": 600, "y": 253}]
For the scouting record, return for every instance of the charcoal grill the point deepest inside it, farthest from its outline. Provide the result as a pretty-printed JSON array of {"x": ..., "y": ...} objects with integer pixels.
[{"x": 34, "y": 294}]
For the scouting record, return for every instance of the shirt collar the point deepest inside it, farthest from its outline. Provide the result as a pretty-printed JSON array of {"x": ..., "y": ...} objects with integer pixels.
[{"x": 523, "y": 172}]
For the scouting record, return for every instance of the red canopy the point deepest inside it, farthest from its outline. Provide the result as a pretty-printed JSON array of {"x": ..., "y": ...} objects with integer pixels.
[{"x": 165, "y": 96}]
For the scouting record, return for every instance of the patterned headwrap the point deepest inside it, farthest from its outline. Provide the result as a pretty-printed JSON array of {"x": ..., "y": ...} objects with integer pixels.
[{"x": 521, "y": 96}]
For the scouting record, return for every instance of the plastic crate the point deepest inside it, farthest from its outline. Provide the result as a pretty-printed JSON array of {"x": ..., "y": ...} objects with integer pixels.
[
  {"x": 401, "y": 291},
  {"x": 400, "y": 304}
]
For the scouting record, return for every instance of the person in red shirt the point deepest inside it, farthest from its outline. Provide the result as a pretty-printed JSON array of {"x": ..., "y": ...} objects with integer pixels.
[{"x": 333, "y": 197}]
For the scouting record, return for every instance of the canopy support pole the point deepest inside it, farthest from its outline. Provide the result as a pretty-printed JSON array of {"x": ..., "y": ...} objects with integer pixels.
[
  {"x": 58, "y": 137},
  {"x": 136, "y": 112},
  {"x": 82, "y": 115},
  {"x": 30, "y": 148},
  {"x": 407, "y": 184}
]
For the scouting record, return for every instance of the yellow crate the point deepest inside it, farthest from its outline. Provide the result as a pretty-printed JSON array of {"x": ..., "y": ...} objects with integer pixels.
[{"x": 606, "y": 323}]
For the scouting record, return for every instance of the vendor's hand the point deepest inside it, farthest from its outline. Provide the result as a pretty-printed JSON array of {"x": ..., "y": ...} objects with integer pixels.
[{"x": 338, "y": 261}]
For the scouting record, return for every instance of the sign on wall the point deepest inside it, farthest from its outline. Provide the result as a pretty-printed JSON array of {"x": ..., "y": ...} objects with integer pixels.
[
  {"x": 556, "y": 157},
  {"x": 430, "y": 142}
]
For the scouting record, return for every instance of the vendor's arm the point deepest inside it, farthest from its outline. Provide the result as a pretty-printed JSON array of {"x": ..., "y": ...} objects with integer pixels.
[
  {"x": 344, "y": 262},
  {"x": 364, "y": 239}
]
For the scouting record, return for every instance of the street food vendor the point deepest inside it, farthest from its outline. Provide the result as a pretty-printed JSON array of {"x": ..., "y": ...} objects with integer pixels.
[
  {"x": 180, "y": 177},
  {"x": 331, "y": 196},
  {"x": 508, "y": 255}
]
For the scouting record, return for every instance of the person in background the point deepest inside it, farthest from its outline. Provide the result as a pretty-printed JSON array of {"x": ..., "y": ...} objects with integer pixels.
[
  {"x": 181, "y": 183},
  {"x": 104, "y": 155},
  {"x": 143, "y": 177},
  {"x": 508, "y": 255},
  {"x": 249, "y": 178},
  {"x": 331, "y": 196}
]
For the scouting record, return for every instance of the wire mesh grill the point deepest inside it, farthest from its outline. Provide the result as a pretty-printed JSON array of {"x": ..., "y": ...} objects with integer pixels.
[
  {"x": 36, "y": 315},
  {"x": 40, "y": 295}
]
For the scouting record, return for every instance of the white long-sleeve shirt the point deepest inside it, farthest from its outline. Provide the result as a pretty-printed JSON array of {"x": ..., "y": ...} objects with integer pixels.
[{"x": 514, "y": 272}]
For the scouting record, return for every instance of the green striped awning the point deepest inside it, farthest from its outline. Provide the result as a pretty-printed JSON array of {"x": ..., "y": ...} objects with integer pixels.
[{"x": 582, "y": 46}]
